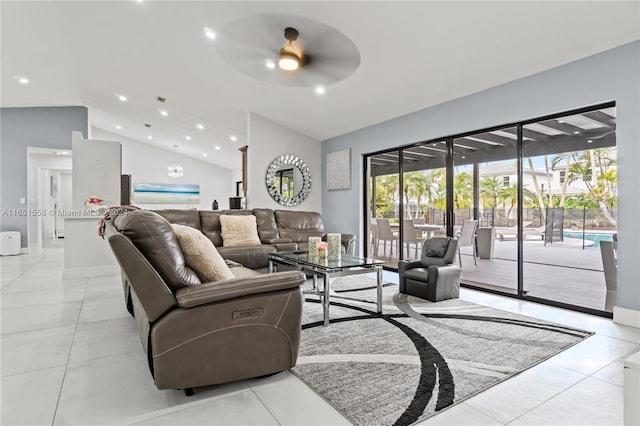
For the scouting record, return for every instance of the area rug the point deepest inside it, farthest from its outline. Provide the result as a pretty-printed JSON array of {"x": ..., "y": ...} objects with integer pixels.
[{"x": 417, "y": 357}]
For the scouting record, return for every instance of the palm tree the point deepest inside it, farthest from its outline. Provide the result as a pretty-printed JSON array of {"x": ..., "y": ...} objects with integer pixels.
[
  {"x": 386, "y": 194},
  {"x": 411, "y": 181},
  {"x": 490, "y": 187},
  {"x": 566, "y": 157},
  {"x": 462, "y": 191},
  {"x": 595, "y": 168}
]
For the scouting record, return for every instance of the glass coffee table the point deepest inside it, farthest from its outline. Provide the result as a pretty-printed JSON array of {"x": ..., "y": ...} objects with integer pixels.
[{"x": 317, "y": 266}]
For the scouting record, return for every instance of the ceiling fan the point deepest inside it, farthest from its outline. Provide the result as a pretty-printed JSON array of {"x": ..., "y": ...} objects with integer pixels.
[
  {"x": 312, "y": 53},
  {"x": 291, "y": 57}
]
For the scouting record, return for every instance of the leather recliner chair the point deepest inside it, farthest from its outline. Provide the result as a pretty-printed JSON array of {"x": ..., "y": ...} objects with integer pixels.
[
  {"x": 198, "y": 334},
  {"x": 434, "y": 277}
]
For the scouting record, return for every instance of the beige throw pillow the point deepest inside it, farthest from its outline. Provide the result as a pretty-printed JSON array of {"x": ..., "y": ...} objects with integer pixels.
[
  {"x": 201, "y": 255},
  {"x": 239, "y": 230}
]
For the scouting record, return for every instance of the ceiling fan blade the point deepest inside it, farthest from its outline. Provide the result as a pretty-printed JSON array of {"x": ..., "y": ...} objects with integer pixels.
[{"x": 248, "y": 43}]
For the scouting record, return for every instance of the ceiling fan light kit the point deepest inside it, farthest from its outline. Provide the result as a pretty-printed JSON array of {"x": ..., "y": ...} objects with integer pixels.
[{"x": 289, "y": 59}]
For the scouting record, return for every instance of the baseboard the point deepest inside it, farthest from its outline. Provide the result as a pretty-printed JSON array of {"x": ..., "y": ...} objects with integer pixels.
[
  {"x": 25, "y": 250},
  {"x": 90, "y": 271},
  {"x": 626, "y": 316}
]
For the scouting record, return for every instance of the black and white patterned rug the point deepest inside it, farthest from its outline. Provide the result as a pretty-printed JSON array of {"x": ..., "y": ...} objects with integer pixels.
[{"x": 417, "y": 357}]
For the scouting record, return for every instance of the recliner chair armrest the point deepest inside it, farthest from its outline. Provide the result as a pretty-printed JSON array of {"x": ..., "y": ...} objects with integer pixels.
[
  {"x": 405, "y": 265},
  {"x": 446, "y": 270},
  {"x": 189, "y": 297}
]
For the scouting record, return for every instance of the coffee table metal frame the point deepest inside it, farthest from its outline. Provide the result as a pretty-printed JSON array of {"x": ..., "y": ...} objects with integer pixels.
[{"x": 328, "y": 269}]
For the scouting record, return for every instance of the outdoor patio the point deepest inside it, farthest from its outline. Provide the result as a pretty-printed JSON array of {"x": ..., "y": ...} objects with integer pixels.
[{"x": 562, "y": 272}]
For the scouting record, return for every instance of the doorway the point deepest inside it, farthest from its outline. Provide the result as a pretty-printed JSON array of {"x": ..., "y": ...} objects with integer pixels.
[{"x": 49, "y": 189}]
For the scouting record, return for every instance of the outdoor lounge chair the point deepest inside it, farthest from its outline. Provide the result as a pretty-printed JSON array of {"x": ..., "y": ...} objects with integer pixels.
[
  {"x": 534, "y": 232},
  {"x": 511, "y": 232}
]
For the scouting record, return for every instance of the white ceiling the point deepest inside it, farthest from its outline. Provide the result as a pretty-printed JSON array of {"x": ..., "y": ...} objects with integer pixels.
[{"x": 412, "y": 55}]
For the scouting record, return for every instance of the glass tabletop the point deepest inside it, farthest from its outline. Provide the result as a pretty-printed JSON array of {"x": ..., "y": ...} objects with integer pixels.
[{"x": 344, "y": 262}]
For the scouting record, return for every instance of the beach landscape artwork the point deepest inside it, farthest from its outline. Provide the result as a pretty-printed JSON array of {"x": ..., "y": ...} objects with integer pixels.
[{"x": 166, "y": 193}]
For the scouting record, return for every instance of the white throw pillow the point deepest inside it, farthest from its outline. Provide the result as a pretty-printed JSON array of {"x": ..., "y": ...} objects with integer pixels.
[
  {"x": 239, "y": 230},
  {"x": 201, "y": 255}
]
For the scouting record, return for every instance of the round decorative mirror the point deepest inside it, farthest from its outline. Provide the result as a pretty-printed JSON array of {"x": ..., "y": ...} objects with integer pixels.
[{"x": 288, "y": 180}]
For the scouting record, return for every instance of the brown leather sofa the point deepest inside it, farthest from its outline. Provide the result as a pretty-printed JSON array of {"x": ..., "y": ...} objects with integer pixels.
[
  {"x": 197, "y": 334},
  {"x": 278, "y": 230}
]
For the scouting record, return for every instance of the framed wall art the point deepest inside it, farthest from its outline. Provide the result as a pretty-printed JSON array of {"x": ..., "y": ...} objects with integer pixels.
[{"x": 338, "y": 169}]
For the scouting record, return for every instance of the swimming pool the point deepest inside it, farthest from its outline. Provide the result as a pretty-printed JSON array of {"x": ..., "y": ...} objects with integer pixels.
[{"x": 595, "y": 236}]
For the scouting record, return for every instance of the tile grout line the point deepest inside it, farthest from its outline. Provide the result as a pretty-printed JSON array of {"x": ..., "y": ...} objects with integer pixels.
[
  {"x": 265, "y": 406},
  {"x": 66, "y": 367}
]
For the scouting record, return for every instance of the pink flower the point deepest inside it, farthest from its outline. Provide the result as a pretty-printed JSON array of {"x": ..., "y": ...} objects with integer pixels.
[
  {"x": 93, "y": 200},
  {"x": 322, "y": 245}
]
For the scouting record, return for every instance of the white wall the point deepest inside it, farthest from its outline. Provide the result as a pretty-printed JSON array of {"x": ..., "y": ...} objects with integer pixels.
[
  {"x": 267, "y": 141},
  {"x": 608, "y": 76},
  {"x": 148, "y": 164},
  {"x": 96, "y": 171}
]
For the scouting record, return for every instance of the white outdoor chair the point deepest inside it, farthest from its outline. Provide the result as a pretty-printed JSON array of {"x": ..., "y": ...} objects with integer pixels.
[
  {"x": 385, "y": 234},
  {"x": 410, "y": 235},
  {"x": 610, "y": 267},
  {"x": 467, "y": 238}
]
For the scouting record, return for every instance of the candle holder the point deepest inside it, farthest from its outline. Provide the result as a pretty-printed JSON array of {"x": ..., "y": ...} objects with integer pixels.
[
  {"x": 313, "y": 248},
  {"x": 333, "y": 251}
]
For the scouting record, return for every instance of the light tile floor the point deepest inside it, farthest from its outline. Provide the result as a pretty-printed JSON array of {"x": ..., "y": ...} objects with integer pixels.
[{"x": 71, "y": 356}]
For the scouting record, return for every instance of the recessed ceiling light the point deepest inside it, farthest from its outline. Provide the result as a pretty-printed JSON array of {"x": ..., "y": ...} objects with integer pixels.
[
  {"x": 560, "y": 121},
  {"x": 149, "y": 137},
  {"x": 233, "y": 138},
  {"x": 320, "y": 90},
  {"x": 65, "y": 153},
  {"x": 204, "y": 154},
  {"x": 188, "y": 138},
  {"x": 119, "y": 127},
  {"x": 576, "y": 132},
  {"x": 208, "y": 32},
  {"x": 590, "y": 141},
  {"x": 21, "y": 79},
  {"x": 122, "y": 98},
  {"x": 199, "y": 126},
  {"x": 217, "y": 148},
  {"x": 163, "y": 113},
  {"x": 269, "y": 63}
]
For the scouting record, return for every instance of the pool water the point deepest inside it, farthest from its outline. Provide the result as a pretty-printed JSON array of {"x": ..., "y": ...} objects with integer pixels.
[{"x": 596, "y": 237}]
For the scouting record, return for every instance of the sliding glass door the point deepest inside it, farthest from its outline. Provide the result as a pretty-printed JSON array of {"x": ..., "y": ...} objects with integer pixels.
[
  {"x": 571, "y": 212},
  {"x": 541, "y": 196},
  {"x": 485, "y": 190}
]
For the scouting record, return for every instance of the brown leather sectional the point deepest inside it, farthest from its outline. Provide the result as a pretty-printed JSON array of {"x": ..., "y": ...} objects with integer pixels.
[
  {"x": 197, "y": 334},
  {"x": 279, "y": 230}
]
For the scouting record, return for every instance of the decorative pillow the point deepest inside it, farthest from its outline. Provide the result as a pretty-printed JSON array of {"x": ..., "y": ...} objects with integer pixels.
[
  {"x": 436, "y": 247},
  {"x": 201, "y": 255},
  {"x": 239, "y": 230}
]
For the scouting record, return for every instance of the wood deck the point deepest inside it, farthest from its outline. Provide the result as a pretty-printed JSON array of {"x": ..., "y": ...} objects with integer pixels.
[{"x": 562, "y": 272}]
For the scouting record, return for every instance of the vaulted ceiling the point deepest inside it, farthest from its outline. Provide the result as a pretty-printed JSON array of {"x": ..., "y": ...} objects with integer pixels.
[{"x": 412, "y": 55}]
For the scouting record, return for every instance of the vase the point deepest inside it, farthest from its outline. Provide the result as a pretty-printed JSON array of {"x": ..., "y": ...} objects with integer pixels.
[
  {"x": 333, "y": 242},
  {"x": 322, "y": 254}
]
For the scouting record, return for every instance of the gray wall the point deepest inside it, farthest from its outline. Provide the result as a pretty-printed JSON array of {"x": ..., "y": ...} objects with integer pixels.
[
  {"x": 608, "y": 76},
  {"x": 269, "y": 140},
  {"x": 44, "y": 127}
]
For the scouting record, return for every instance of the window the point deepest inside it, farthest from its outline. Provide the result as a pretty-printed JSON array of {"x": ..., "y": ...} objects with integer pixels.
[{"x": 505, "y": 181}]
